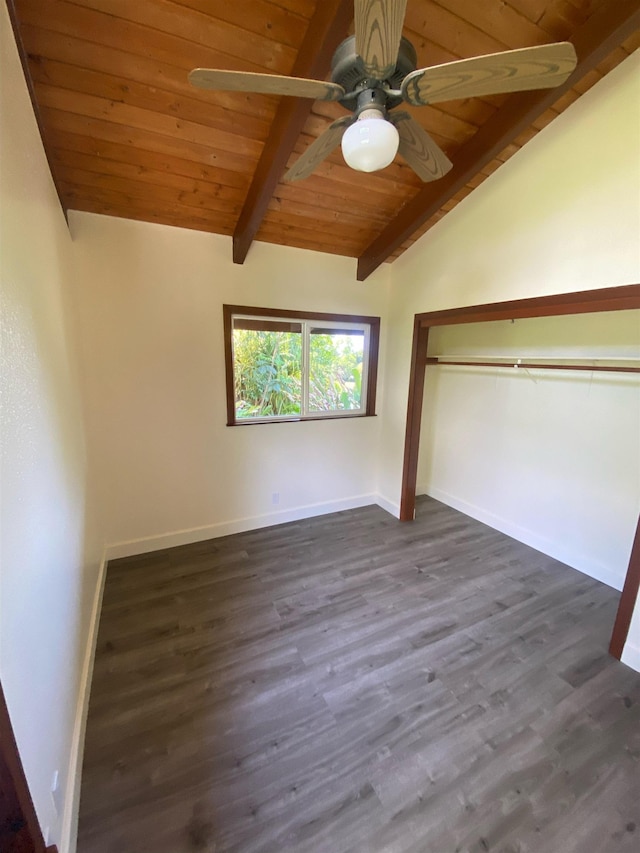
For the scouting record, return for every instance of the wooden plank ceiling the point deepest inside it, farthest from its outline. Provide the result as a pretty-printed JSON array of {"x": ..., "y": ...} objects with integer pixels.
[{"x": 126, "y": 135}]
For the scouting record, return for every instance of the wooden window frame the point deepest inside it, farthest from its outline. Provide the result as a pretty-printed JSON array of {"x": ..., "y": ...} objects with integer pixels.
[
  {"x": 620, "y": 298},
  {"x": 373, "y": 323}
]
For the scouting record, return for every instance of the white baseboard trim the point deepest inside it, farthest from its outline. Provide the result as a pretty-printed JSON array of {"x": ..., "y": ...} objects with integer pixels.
[
  {"x": 389, "y": 506},
  {"x": 72, "y": 799},
  {"x": 581, "y": 562},
  {"x": 631, "y": 656},
  {"x": 188, "y": 536}
]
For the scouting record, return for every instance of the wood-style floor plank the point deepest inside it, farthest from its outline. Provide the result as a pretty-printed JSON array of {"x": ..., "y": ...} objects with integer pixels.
[{"x": 351, "y": 684}]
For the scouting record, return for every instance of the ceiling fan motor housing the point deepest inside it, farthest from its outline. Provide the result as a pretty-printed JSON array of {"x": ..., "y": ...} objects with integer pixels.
[{"x": 348, "y": 71}]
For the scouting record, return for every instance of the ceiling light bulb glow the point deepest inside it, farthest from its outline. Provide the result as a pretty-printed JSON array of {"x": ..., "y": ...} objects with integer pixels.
[{"x": 370, "y": 143}]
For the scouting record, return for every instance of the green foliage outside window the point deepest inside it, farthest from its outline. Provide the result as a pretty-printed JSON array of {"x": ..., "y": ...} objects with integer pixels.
[
  {"x": 335, "y": 372},
  {"x": 268, "y": 373}
]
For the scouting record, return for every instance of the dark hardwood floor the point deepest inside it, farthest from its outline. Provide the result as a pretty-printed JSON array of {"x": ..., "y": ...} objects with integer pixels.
[{"x": 351, "y": 684}]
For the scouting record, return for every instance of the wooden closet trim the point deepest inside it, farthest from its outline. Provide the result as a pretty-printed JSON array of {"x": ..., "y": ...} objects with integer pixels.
[{"x": 628, "y": 599}]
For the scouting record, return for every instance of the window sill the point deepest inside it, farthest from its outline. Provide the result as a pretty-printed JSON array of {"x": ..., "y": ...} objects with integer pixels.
[{"x": 300, "y": 420}]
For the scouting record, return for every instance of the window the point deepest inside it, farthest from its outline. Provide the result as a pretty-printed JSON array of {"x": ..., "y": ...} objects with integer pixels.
[{"x": 285, "y": 365}]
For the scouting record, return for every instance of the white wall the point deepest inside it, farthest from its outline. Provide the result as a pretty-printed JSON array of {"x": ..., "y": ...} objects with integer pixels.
[
  {"x": 561, "y": 215},
  {"x": 48, "y": 567},
  {"x": 168, "y": 469}
]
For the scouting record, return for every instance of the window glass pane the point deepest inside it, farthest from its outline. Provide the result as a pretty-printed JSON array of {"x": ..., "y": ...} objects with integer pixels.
[
  {"x": 335, "y": 369},
  {"x": 267, "y": 367}
]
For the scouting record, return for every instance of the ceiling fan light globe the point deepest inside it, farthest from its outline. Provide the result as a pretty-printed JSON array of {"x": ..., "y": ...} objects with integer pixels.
[{"x": 370, "y": 144}]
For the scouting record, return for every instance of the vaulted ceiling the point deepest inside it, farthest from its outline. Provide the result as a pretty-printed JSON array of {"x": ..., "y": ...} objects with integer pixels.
[{"x": 127, "y": 135}]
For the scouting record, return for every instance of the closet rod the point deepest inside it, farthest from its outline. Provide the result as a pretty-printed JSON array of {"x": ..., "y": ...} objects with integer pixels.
[
  {"x": 531, "y": 366},
  {"x": 485, "y": 356}
]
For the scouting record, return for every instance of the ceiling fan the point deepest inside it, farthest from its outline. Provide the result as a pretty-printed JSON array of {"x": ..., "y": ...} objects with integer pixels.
[{"x": 374, "y": 71}]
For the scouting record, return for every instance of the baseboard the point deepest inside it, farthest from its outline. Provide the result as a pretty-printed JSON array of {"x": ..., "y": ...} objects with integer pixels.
[
  {"x": 72, "y": 799},
  {"x": 389, "y": 506},
  {"x": 225, "y": 528},
  {"x": 528, "y": 537},
  {"x": 631, "y": 656}
]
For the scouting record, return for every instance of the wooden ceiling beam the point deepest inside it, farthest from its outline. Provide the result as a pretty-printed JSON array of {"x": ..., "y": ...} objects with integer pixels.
[
  {"x": 605, "y": 30},
  {"x": 326, "y": 30}
]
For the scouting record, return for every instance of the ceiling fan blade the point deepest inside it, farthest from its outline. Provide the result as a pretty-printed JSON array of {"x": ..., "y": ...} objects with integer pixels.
[
  {"x": 265, "y": 84},
  {"x": 319, "y": 150},
  {"x": 378, "y": 32},
  {"x": 425, "y": 157},
  {"x": 541, "y": 67}
]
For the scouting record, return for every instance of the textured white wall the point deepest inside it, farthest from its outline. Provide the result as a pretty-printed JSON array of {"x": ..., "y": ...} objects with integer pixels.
[
  {"x": 149, "y": 301},
  {"x": 562, "y": 215},
  {"x": 48, "y": 554}
]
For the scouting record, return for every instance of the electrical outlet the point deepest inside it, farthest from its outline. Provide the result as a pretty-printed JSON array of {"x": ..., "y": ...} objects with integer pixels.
[
  {"x": 275, "y": 498},
  {"x": 46, "y": 836}
]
